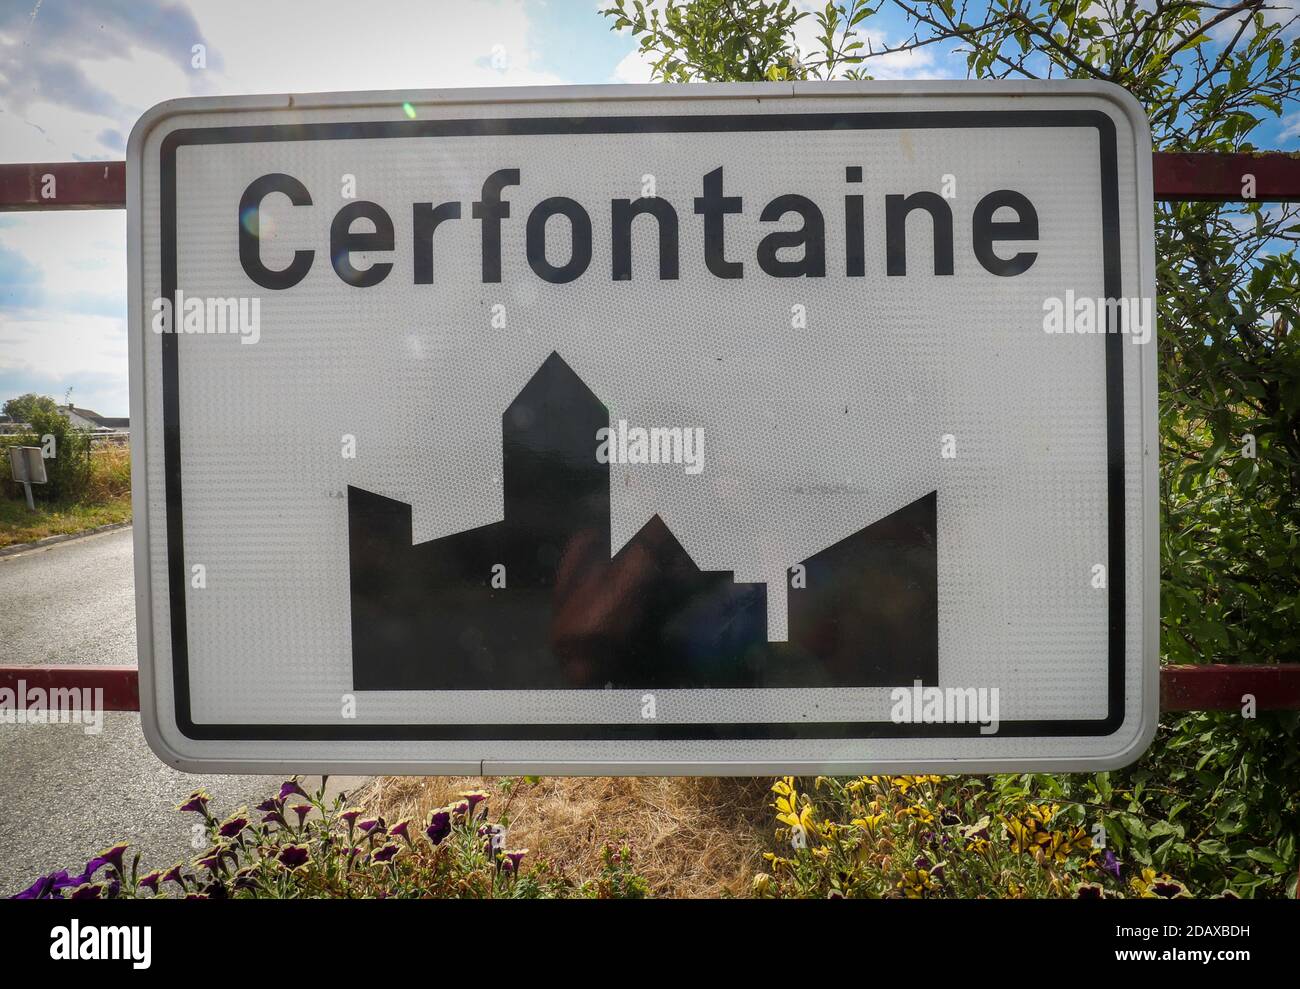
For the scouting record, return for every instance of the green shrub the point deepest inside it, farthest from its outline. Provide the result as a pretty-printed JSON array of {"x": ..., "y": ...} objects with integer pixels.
[
  {"x": 923, "y": 837},
  {"x": 300, "y": 846},
  {"x": 69, "y": 470},
  {"x": 1197, "y": 807}
]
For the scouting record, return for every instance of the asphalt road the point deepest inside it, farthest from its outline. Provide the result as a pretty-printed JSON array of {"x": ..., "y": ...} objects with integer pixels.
[{"x": 65, "y": 794}]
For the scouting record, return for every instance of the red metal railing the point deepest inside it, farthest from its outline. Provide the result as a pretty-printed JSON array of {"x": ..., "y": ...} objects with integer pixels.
[
  {"x": 1176, "y": 178},
  {"x": 63, "y": 185}
]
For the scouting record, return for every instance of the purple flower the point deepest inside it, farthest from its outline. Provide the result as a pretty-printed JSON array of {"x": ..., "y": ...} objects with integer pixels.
[
  {"x": 196, "y": 803},
  {"x": 37, "y": 890},
  {"x": 231, "y": 826},
  {"x": 375, "y": 824},
  {"x": 1089, "y": 891},
  {"x": 290, "y": 788},
  {"x": 271, "y": 805},
  {"x": 292, "y": 856},
  {"x": 460, "y": 808},
  {"x": 173, "y": 875},
  {"x": 87, "y": 891},
  {"x": 1109, "y": 863},
  {"x": 401, "y": 829},
  {"x": 384, "y": 854},
  {"x": 439, "y": 825},
  {"x": 948, "y": 819},
  {"x": 151, "y": 880},
  {"x": 211, "y": 861},
  {"x": 302, "y": 810},
  {"x": 47, "y": 886},
  {"x": 510, "y": 860},
  {"x": 350, "y": 816},
  {"x": 473, "y": 798},
  {"x": 109, "y": 856}
]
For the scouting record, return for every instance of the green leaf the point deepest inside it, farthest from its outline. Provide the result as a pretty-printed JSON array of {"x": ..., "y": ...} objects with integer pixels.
[{"x": 1268, "y": 858}]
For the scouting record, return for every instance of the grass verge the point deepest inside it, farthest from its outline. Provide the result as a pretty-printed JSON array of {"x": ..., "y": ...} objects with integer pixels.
[
  {"x": 689, "y": 836},
  {"x": 104, "y": 498},
  {"x": 19, "y": 525}
]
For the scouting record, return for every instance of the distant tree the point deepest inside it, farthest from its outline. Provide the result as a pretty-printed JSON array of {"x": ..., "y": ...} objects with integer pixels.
[
  {"x": 68, "y": 468},
  {"x": 21, "y": 409}
]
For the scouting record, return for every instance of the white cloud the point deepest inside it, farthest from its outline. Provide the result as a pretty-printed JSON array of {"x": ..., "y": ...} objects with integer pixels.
[
  {"x": 1290, "y": 127},
  {"x": 634, "y": 67},
  {"x": 72, "y": 86},
  {"x": 69, "y": 329}
]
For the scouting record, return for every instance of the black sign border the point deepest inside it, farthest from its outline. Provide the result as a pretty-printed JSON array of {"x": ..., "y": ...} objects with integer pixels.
[{"x": 659, "y": 124}]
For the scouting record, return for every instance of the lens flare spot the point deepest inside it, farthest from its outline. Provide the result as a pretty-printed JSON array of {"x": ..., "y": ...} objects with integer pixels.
[{"x": 409, "y": 111}]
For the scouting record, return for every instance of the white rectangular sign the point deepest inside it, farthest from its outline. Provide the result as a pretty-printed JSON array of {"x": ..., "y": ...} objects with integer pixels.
[{"x": 718, "y": 429}]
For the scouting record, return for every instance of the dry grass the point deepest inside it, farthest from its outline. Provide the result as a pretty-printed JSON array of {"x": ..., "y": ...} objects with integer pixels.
[
  {"x": 110, "y": 474},
  {"x": 18, "y": 525},
  {"x": 690, "y": 836}
]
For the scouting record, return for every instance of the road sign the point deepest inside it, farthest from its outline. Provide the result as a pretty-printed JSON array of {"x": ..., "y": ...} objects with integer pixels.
[
  {"x": 708, "y": 429},
  {"x": 27, "y": 467}
]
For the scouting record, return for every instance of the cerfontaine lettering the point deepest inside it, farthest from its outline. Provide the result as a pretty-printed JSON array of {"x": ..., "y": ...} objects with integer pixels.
[{"x": 785, "y": 253}]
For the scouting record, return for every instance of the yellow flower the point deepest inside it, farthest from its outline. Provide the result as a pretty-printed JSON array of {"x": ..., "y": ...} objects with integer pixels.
[
  {"x": 787, "y": 801},
  {"x": 1044, "y": 812},
  {"x": 777, "y": 862},
  {"x": 915, "y": 883},
  {"x": 786, "y": 795},
  {"x": 870, "y": 822},
  {"x": 1152, "y": 885},
  {"x": 922, "y": 814}
]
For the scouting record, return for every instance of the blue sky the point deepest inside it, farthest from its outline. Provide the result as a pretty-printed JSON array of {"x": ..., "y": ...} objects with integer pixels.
[{"x": 74, "y": 76}]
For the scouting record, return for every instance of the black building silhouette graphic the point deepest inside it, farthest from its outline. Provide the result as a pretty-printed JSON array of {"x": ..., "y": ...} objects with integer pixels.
[{"x": 426, "y": 617}]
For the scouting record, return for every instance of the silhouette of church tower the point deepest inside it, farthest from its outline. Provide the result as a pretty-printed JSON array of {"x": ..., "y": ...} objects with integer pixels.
[
  {"x": 429, "y": 617},
  {"x": 554, "y": 488}
]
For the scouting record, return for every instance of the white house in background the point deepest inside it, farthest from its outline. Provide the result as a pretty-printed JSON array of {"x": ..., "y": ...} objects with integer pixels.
[{"x": 94, "y": 422}]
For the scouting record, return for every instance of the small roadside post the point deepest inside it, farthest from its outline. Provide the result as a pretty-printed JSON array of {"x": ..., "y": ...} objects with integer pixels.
[{"x": 28, "y": 468}]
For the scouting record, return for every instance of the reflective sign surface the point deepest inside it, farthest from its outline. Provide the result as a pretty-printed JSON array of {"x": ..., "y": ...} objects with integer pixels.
[{"x": 800, "y": 428}]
